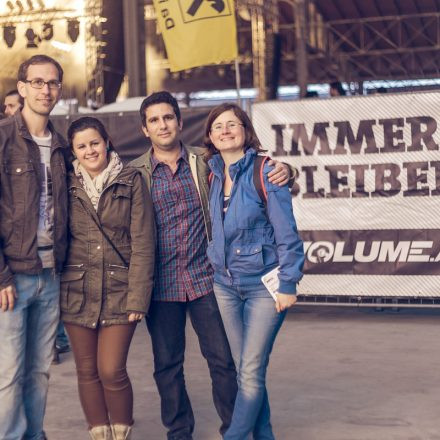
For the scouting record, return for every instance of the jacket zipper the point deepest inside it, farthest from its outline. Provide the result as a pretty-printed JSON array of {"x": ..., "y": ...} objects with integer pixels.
[{"x": 223, "y": 223}]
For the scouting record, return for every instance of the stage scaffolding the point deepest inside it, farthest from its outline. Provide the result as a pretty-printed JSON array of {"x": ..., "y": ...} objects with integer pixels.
[{"x": 94, "y": 44}]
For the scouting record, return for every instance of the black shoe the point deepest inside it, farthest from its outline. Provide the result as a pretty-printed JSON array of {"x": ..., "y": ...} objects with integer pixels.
[
  {"x": 56, "y": 357},
  {"x": 62, "y": 348}
]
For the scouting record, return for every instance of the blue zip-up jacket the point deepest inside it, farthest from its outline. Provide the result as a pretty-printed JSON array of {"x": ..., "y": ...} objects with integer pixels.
[{"x": 252, "y": 239}]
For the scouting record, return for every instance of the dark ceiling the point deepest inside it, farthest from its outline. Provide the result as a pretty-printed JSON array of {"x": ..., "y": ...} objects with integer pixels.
[{"x": 387, "y": 39}]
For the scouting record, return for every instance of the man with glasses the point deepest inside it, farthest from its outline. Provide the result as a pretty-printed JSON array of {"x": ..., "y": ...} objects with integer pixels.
[{"x": 33, "y": 241}]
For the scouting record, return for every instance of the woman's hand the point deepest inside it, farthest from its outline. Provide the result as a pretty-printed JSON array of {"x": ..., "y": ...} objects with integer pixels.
[
  {"x": 280, "y": 175},
  {"x": 132, "y": 317},
  {"x": 284, "y": 301}
]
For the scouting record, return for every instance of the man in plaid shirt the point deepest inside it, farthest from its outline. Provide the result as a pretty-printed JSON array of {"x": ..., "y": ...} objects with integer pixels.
[{"x": 177, "y": 177}]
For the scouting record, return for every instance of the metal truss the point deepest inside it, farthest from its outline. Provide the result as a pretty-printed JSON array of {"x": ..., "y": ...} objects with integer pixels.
[
  {"x": 94, "y": 60},
  {"x": 94, "y": 54},
  {"x": 53, "y": 14},
  {"x": 391, "y": 47},
  {"x": 384, "y": 35},
  {"x": 264, "y": 22}
]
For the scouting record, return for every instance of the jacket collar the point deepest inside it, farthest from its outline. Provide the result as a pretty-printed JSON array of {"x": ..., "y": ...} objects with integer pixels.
[
  {"x": 145, "y": 160},
  {"x": 183, "y": 155},
  {"x": 217, "y": 164},
  {"x": 24, "y": 132},
  {"x": 125, "y": 177}
]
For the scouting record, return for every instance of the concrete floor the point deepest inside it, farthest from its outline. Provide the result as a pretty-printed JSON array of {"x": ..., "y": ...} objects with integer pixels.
[{"x": 335, "y": 374}]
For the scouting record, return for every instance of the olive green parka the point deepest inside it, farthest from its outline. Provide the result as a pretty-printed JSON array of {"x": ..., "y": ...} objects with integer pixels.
[{"x": 97, "y": 287}]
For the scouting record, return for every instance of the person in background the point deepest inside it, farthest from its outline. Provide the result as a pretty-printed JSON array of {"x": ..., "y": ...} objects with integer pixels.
[
  {"x": 33, "y": 242},
  {"x": 13, "y": 102},
  {"x": 312, "y": 94},
  {"x": 61, "y": 344},
  {"x": 336, "y": 89},
  {"x": 249, "y": 239},
  {"x": 108, "y": 276}
]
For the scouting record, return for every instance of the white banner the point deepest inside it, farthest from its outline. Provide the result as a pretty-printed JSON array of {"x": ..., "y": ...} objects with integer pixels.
[{"x": 367, "y": 199}]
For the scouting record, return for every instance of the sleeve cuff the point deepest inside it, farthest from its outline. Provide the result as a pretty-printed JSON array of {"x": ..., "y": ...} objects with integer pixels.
[{"x": 287, "y": 287}]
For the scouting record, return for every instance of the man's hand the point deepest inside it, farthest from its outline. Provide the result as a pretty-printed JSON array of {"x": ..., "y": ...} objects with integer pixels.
[
  {"x": 284, "y": 301},
  {"x": 7, "y": 298},
  {"x": 132, "y": 317},
  {"x": 280, "y": 175}
]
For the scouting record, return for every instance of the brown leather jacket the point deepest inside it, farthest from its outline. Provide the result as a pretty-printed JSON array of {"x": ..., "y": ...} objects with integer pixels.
[
  {"x": 20, "y": 178},
  {"x": 96, "y": 285}
]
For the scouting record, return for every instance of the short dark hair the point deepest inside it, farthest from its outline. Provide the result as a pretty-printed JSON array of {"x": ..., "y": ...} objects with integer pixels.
[
  {"x": 38, "y": 59},
  {"x": 162, "y": 97},
  {"x": 251, "y": 139},
  {"x": 12, "y": 93},
  {"x": 311, "y": 94},
  {"x": 15, "y": 92},
  {"x": 337, "y": 85},
  {"x": 84, "y": 123}
]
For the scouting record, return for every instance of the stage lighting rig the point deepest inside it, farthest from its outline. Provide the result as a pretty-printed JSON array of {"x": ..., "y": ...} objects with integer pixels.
[
  {"x": 20, "y": 7},
  {"x": 33, "y": 40},
  {"x": 73, "y": 29},
  {"x": 47, "y": 31},
  {"x": 9, "y": 35}
]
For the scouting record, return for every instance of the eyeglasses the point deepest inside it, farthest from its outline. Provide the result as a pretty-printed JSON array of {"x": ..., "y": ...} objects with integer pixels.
[
  {"x": 230, "y": 125},
  {"x": 38, "y": 83}
]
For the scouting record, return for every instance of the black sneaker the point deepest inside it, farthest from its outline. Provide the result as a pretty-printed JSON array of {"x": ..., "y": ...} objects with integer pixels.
[
  {"x": 62, "y": 348},
  {"x": 56, "y": 357}
]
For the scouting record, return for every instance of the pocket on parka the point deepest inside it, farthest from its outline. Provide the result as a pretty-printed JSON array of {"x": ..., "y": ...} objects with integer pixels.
[
  {"x": 72, "y": 291},
  {"x": 117, "y": 290},
  {"x": 247, "y": 259}
]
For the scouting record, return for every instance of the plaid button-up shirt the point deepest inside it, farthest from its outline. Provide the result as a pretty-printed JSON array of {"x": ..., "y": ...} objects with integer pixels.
[{"x": 183, "y": 272}]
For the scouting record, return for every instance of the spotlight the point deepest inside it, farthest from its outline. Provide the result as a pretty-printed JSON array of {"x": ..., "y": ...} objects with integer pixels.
[
  {"x": 30, "y": 5},
  {"x": 33, "y": 40},
  {"x": 19, "y": 6},
  {"x": 41, "y": 4},
  {"x": 47, "y": 32},
  {"x": 73, "y": 29},
  {"x": 9, "y": 35},
  {"x": 10, "y": 5}
]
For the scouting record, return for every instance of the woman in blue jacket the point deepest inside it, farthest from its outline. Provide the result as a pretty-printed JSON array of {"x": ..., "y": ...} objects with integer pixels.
[{"x": 250, "y": 237}]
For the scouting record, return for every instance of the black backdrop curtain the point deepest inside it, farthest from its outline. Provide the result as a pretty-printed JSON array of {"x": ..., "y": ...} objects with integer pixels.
[{"x": 126, "y": 134}]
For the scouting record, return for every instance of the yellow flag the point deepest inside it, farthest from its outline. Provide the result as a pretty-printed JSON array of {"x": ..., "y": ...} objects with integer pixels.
[{"x": 197, "y": 32}]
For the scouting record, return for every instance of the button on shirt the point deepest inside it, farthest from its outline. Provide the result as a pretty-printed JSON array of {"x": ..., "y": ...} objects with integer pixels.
[{"x": 182, "y": 269}]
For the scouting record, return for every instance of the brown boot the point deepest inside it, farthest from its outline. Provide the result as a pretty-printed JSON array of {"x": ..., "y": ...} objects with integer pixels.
[
  {"x": 102, "y": 432},
  {"x": 121, "y": 432}
]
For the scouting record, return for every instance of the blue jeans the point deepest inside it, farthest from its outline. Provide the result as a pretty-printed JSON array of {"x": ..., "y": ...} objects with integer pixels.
[
  {"x": 27, "y": 335},
  {"x": 166, "y": 323},
  {"x": 251, "y": 323},
  {"x": 61, "y": 339}
]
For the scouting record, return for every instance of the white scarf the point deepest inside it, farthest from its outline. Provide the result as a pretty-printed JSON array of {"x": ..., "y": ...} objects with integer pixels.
[{"x": 94, "y": 186}]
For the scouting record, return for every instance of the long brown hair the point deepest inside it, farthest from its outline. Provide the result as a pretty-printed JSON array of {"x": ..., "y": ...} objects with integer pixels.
[{"x": 251, "y": 139}]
